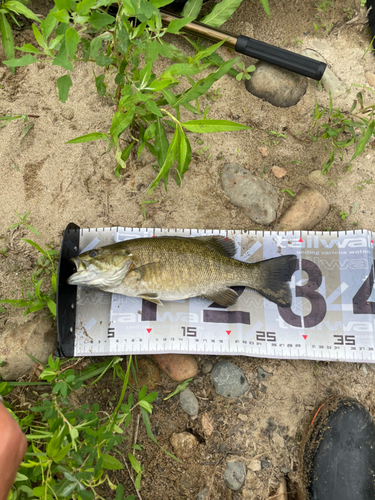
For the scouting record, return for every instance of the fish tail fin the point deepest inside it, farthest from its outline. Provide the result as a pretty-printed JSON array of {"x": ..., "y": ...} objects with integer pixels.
[{"x": 275, "y": 275}]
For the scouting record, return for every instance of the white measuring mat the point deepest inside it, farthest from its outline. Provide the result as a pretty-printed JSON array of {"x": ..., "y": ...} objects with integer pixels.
[{"x": 332, "y": 315}]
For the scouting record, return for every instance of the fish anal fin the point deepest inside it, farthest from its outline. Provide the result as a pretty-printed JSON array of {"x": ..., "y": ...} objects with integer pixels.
[
  {"x": 224, "y": 297},
  {"x": 151, "y": 297}
]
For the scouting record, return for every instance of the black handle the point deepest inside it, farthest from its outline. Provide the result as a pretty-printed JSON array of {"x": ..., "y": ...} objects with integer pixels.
[{"x": 280, "y": 57}]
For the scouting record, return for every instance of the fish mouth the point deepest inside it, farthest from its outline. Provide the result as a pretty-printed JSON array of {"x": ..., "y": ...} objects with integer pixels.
[{"x": 79, "y": 278}]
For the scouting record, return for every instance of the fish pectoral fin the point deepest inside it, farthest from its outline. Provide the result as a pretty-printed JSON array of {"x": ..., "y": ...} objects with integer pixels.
[
  {"x": 141, "y": 270},
  {"x": 224, "y": 297},
  {"x": 151, "y": 297}
]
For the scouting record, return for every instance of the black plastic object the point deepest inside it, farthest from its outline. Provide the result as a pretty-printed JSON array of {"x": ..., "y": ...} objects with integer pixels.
[
  {"x": 339, "y": 454},
  {"x": 371, "y": 19},
  {"x": 280, "y": 57},
  {"x": 66, "y": 295}
]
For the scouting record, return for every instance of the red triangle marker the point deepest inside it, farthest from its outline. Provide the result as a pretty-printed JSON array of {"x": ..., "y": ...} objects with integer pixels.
[
  {"x": 300, "y": 240},
  {"x": 304, "y": 336},
  {"x": 372, "y": 241},
  {"x": 148, "y": 330},
  {"x": 228, "y": 331}
]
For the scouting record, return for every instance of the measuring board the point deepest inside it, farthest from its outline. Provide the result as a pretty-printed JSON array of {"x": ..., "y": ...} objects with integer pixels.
[{"x": 332, "y": 316}]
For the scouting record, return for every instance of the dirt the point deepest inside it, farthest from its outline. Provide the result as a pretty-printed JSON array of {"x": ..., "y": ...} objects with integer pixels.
[{"x": 61, "y": 183}]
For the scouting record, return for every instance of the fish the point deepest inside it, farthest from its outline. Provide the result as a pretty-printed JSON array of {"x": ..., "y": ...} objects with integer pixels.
[{"x": 171, "y": 268}]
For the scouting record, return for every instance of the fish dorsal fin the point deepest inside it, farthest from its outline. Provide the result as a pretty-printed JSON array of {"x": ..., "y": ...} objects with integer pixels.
[
  {"x": 219, "y": 244},
  {"x": 224, "y": 297}
]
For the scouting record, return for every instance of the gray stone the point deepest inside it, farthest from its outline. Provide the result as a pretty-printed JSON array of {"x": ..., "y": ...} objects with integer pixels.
[
  {"x": 255, "y": 197},
  {"x": 278, "y": 86},
  {"x": 285, "y": 469},
  {"x": 262, "y": 374},
  {"x": 207, "y": 366},
  {"x": 229, "y": 380},
  {"x": 309, "y": 207},
  {"x": 317, "y": 177},
  {"x": 330, "y": 82},
  {"x": 202, "y": 495},
  {"x": 36, "y": 337},
  {"x": 234, "y": 475},
  {"x": 265, "y": 464},
  {"x": 189, "y": 402}
]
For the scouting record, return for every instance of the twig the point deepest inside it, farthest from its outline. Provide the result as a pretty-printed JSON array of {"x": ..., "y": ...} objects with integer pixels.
[
  {"x": 71, "y": 366},
  {"x": 131, "y": 477},
  {"x": 282, "y": 494},
  {"x": 136, "y": 431}
]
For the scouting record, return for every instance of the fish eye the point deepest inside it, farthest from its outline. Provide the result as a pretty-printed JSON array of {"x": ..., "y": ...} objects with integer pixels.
[{"x": 93, "y": 253}]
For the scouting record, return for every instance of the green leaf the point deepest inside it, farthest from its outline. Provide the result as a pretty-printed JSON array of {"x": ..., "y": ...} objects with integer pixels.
[
  {"x": 84, "y": 7},
  {"x": 209, "y": 126},
  {"x": 146, "y": 421},
  {"x": 122, "y": 37},
  {"x": 192, "y": 8},
  {"x": 183, "y": 158},
  {"x": 152, "y": 106},
  {"x": 19, "y": 8},
  {"x": 181, "y": 387},
  {"x": 71, "y": 42},
  {"x": 95, "y": 46},
  {"x": 135, "y": 464},
  {"x": 7, "y": 38},
  {"x": 51, "y": 306},
  {"x": 48, "y": 24},
  {"x": 62, "y": 16},
  {"x": 221, "y": 13},
  {"x": 161, "y": 142},
  {"x": 102, "y": 60},
  {"x": 169, "y": 160},
  {"x": 160, "y": 3},
  {"x": 120, "y": 122},
  {"x": 39, "y": 37},
  {"x": 84, "y": 494},
  {"x": 63, "y": 61},
  {"x": 101, "y": 87},
  {"x": 177, "y": 24},
  {"x": 126, "y": 152},
  {"x": 266, "y": 7},
  {"x": 99, "y": 20},
  {"x": 94, "y": 136},
  {"x": 119, "y": 492},
  {"x": 207, "y": 52},
  {"x": 111, "y": 463},
  {"x": 22, "y": 61},
  {"x": 63, "y": 84},
  {"x": 63, "y": 4},
  {"x": 362, "y": 143},
  {"x": 27, "y": 47}
]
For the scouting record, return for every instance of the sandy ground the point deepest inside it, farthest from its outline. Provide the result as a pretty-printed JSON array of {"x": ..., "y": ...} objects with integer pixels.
[{"x": 61, "y": 183}]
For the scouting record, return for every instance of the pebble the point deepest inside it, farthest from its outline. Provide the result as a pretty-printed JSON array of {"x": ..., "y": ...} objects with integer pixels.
[
  {"x": 285, "y": 469},
  {"x": 364, "y": 369},
  {"x": 202, "y": 495},
  {"x": 244, "y": 418},
  {"x": 317, "y": 177},
  {"x": 234, "y": 475},
  {"x": 207, "y": 366},
  {"x": 370, "y": 77},
  {"x": 309, "y": 207},
  {"x": 178, "y": 366},
  {"x": 262, "y": 374},
  {"x": 255, "y": 197},
  {"x": 278, "y": 86},
  {"x": 68, "y": 113},
  {"x": 183, "y": 444},
  {"x": 255, "y": 465},
  {"x": 279, "y": 172},
  {"x": 229, "y": 380},
  {"x": 330, "y": 82},
  {"x": 189, "y": 402},
  {"x": 36, "y": 337},
  {"x": 148, "y": 373}
]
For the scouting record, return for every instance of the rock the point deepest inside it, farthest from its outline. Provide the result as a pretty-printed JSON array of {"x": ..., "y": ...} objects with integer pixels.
[
  {"x": 330, "y": 82},
  {"x": 183, "y": 444},
  {"x": 68, "y": 113},
  {"x": 285, "y": 469},
  {"x": 148, "y": 373},
  {"x": 265, "y": 464},
  {"x": 229, "y": 380},
  {"x": 263, "y": 151},
  {"x": 189, "y": 402},
  {"x": 255, "y": 465},
  {"x": 309, "y": 207},
  {"x": 202, "y": 495},
  {"x": 370, "y": 77},
  {"x": 207, "y": 426},
  {"x": 262, "y": 374},
  {"x": 207, "y": 366},
  {"x": 243, "y": 418},
  {"x": 234, "y": 475},
  {"x": 36, "y": 337},
  {"x": 364, "y": 369},
  {"x": 278, "y": 86},
  {"x": 256, "y": 198},
  {"x": 317, "y": 177},
  {"x": 178, "y": 366},
  {"x": 279, "y": 172}
]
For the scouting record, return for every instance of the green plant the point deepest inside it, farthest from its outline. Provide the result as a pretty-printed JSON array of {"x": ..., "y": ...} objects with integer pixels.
[
  {"x": 22, "y": 221},
  {"x": 8, "y": 10},
  {"x": 340, "y": 129},
  {"x": 35, "y": 298},
  {"x": 214, "y": 94},
  {"x": 289, "y": 192},
  {"x": 125, "y": 53},
  {"x": 244, "y": 72},
  {"x": 343, "y": 214},
  {"x": 148, "y": 202},
  {"x": 325, "y": 8},
  {"x": 3, "y": 250},
  {"x": 71, "y": 450},
  {"x": 364, "y": 183}
]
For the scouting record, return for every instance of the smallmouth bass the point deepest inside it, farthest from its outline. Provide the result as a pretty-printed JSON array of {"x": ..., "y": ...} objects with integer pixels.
[{"x": 174, "y": 268}]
